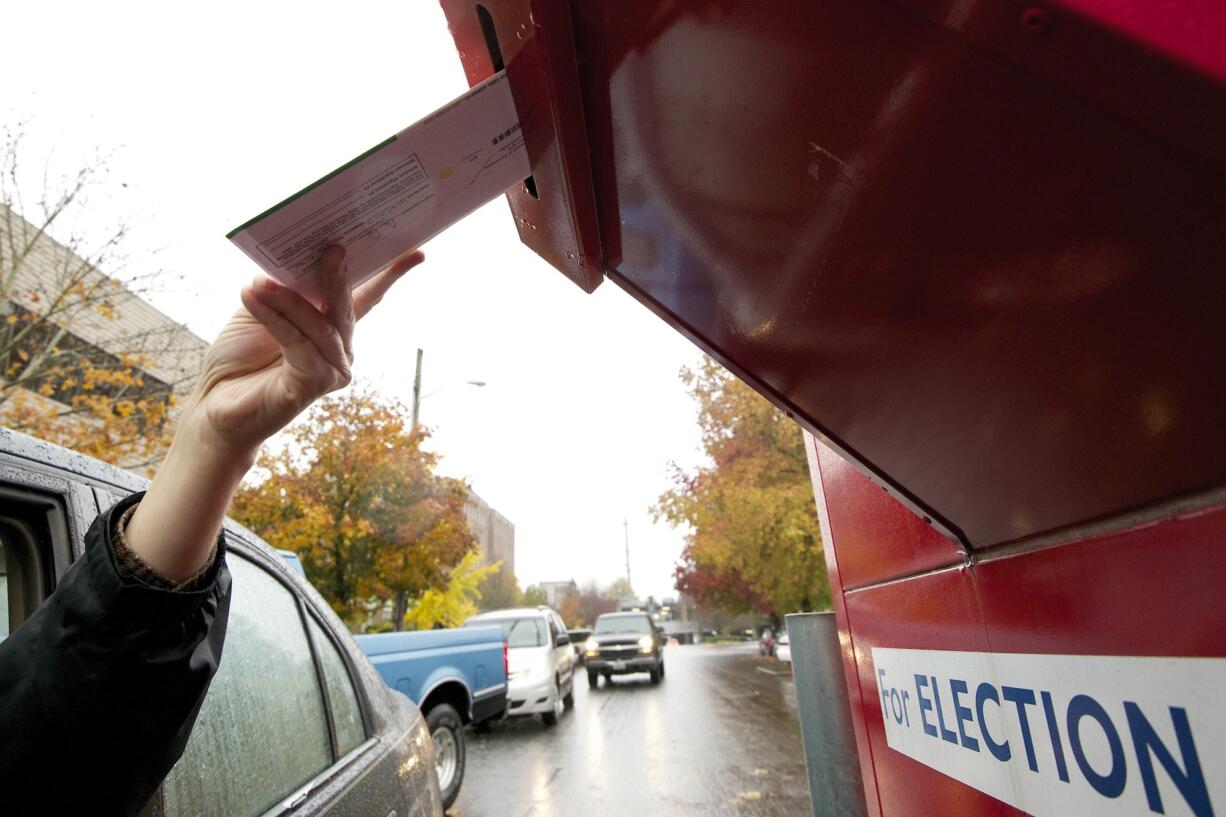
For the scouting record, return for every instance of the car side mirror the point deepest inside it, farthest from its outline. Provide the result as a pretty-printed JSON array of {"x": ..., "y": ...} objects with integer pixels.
[{"x": 562, "y": 640}]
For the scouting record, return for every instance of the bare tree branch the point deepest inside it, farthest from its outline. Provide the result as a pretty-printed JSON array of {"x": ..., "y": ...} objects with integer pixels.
[{"x": 84, "y": 361}]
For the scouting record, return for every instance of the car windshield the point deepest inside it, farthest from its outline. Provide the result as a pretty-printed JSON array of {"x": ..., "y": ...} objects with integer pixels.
[
  {"x": 519, "y": 632},
  {"x": 638, "y": 625}
]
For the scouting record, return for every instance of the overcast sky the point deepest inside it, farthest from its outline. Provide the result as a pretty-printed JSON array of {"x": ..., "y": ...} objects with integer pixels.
[{"x": 215, "y": 111}]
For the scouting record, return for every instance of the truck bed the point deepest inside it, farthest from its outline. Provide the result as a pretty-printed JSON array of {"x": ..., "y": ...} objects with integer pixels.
[{"x": 465, "y": 666}]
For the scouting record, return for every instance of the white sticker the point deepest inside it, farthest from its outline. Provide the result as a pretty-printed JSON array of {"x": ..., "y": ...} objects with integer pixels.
[{"x": 1059, "y": 735}]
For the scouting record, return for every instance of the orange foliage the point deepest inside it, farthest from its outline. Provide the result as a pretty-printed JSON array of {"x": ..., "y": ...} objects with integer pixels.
[
  {"x": 101, "y": 412},
  {"x": 53, "y": 383},
  {"x": 356, "y": 497},
  {"x": 753, "y": 542},
  {"x": 569, "y": 610}
]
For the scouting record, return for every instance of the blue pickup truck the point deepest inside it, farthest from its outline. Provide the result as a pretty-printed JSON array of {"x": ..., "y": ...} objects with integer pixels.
[{"x": 456, "y": 677}]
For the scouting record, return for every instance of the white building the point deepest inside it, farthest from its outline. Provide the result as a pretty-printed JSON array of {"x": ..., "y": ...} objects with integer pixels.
[
  {"x": 494, "y": 532},
  {"x": 100, "y": 319},
  {"x": 556, "y": 591}
]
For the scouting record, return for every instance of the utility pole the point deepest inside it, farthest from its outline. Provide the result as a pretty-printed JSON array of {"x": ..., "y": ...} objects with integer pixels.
[
  {"x": 401, "y": 606},
  {"x": 626, "y": 526},
  {"x": 417, "y": 390}
]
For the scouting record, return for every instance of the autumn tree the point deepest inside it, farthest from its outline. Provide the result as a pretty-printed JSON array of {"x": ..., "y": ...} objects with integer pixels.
[
  {"x": 431, "y": 537},
  {"x": 752, "y": 541},
  {"x": 534, "y": 596},
  {"x": 355, "y": 495},
  {"x": 500, "y": 590},
  {"x": 455, "y": 603},
  {"x": 620, "y": 589},
  {"x": 570, "y": 609},
  {"x": 593, "y": 602},
  {"x": 84, "y": 361}
]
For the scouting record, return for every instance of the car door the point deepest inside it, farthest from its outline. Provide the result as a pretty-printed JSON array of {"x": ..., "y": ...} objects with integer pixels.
[
  {"x": 285, "y": 729},
  {"x": 43, "y": 514},
  {"x": 289, "y": 726},
  {"x": 564, "y": 655}
]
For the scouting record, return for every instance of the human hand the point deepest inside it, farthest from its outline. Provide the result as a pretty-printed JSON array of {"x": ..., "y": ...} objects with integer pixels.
[
  {"x": 280, "y": 353},
  {"x": 276, "y": 356}
]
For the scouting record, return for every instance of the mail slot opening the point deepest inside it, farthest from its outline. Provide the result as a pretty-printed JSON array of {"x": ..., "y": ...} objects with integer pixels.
[{"x": 491, "y": 43}]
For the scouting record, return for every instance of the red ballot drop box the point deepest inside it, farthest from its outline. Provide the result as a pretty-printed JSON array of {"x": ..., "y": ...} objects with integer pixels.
[{"x": 978, "y": 251}]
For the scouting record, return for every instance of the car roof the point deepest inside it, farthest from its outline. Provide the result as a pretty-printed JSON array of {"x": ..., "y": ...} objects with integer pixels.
[
  {"x": 38, "y": 455},
  {"x": 513, "y": 612},
  {"x": 36, "y": 451},
  {"x": 41, "y": 455},
  {"x": 623, "y": 614}
]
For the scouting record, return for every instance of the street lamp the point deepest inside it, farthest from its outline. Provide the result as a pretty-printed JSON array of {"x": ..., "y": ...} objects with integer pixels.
[
  {"x": 465, "y": 383},
  {"x": 418, "y": 396}
]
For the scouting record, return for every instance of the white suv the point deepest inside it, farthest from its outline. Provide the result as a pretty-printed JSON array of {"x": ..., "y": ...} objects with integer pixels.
[{"x": 540, "y": 661}]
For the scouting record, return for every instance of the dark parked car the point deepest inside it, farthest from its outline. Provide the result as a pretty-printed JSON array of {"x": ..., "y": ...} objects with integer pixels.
[
  {"x": 579, "y": 637},
  {"x": 624, "y": 643},
  {"x": 296, "y": 720}
]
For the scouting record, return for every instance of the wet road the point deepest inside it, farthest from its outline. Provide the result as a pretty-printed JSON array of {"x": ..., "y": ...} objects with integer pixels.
[{"x": 719, "y": 736}]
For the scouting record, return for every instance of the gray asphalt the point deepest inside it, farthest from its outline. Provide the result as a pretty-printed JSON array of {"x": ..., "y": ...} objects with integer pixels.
[{"x": 719, "y": 736}]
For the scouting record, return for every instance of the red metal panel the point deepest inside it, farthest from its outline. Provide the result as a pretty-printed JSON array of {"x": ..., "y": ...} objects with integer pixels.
[
  {"x": 937, "y": 611},
  {"x": 878, "y": 538},
  {"x": 959, "y": 272},
  {"x": 981, "y": 256},
  {"x": 817, "y": 455},
  {"x": 1190, "y": 31},
  {"x": 977, "y": 246},
  {"x": 560, "y": 225},
  {"x": 1154, "y": 590},
  {"x": 1096, "y": 597},
  {"x": 1171, "y": 86}
]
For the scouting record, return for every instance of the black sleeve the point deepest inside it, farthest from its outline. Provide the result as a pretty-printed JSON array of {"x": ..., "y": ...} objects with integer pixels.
[{"x": 100, "y": 687}]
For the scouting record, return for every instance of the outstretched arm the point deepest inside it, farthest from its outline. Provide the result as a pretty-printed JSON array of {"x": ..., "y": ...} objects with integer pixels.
[
  {"x": 275, "y": 357},
  {"x": 107, "y": 675}
]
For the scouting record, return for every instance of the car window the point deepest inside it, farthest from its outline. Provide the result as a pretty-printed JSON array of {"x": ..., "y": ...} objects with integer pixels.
[
  {"x": 346, "y": 714},
  {"x": 519, "y": 632},
  {"x": 261, "y": 732},
  {"x": 637, "y": 625},
  {"x": 30, "y": 525},
  {"x": 4, "y": 594}
]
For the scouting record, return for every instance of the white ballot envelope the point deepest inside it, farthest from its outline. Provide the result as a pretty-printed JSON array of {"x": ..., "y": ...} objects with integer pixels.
[{"x": 396, "y": 195}]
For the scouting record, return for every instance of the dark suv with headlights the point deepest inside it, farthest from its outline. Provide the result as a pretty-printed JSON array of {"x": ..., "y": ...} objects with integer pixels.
[{"x": 623, "y": 643}]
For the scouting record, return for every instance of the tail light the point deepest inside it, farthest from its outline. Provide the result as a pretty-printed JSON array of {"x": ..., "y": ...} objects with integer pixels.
[{"x": 506, "y": 662}]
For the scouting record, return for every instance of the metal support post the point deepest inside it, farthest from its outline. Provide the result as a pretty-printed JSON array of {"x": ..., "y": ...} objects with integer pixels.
[{"x": 831, "y": 758}]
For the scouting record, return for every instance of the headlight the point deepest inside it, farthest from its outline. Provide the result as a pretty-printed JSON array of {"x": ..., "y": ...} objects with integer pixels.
[
  {"x": 645, "y": 643},
  {"x": 591, "y": 646}
]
